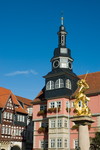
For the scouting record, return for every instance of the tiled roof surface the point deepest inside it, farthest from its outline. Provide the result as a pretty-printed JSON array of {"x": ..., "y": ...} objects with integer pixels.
[
  {"x": 40, "y": 96},
  {"x": 24, "y": 100},
  {"x": 93, "y": 80},
  {"x": 5, "y": 94}
]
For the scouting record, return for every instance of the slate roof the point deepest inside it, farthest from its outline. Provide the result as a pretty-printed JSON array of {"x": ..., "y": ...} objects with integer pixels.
[{"x": 93, "y": 80}]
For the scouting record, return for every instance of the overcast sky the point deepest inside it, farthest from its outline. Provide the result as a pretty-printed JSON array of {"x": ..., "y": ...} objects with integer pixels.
[{"x": 28, "y": 36}]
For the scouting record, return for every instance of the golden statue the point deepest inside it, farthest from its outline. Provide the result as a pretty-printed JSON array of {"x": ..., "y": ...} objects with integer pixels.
[{"x": 82, "y": 110}]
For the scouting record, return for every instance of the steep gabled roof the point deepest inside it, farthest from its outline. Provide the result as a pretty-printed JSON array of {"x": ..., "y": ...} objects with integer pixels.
[
  {"x": 5, "y": 94},
  {"x": 93, "y": 80},
  {"x": 24, "y": 100}
]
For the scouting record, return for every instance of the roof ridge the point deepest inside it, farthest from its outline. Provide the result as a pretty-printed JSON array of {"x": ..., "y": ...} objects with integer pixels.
[{"x": 90, "y": 73}]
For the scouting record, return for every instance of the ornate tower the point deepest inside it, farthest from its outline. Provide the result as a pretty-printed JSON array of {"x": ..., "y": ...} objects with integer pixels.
[{"x": 61, "y": 81}]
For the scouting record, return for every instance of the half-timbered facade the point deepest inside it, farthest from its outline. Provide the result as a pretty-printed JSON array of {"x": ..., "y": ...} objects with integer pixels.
[{"x": 14, "y": 121}]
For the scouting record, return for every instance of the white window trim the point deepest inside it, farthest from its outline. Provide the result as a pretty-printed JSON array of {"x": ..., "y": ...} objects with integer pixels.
[
  {"x": 52, "y": 142},
  {"x": 59, "y": 142},
  {"x": 53, "y": 123},
  {"x": 56, "y": 103},
  {"x": 68, "y": 84},
  {"x": 50, "y": 85},
  {"x": 66, "y": 143},
  {"x": 59, "y": 123},
  {"x": 59, "y": 83},
  {"x": 74, "y": 142}
]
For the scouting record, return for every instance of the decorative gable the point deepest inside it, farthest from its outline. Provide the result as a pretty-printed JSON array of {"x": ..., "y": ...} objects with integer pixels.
[{"x": 9, "y": 104}]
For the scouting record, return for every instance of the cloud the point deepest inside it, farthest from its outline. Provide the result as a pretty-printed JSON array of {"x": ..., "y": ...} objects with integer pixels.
[{"x": 22, "y": 73}]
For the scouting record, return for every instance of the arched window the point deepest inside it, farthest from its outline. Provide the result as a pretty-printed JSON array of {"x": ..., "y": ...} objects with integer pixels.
[
  {"x": 68, "y": 84},
  {"x": 50, "y": 85},
  {"x": 59, "y": 83}
]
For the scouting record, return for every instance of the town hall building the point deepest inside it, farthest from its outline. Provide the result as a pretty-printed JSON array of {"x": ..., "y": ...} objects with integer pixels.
[{"x": 53, "y": 108}]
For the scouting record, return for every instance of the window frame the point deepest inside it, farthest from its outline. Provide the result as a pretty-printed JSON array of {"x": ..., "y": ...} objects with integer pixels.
[
  {"x": 53, "y": 123},
  {"x": 75, "y": 143},
  {"x": 54, "y": 104},
  {"x": 50, "y": 85},
  {"x": 59, "y": 142},
  {"x": 66, "y": 143},
  {"x": 59, "y": 83},
  {"x": 59, "y": 123},
  {"x": 68, "y": 84},
  {"x": 52, "y": 143}
]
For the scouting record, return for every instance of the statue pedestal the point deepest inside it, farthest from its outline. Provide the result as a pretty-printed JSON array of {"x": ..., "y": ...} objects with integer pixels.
[{"x": 83, "y": 135}]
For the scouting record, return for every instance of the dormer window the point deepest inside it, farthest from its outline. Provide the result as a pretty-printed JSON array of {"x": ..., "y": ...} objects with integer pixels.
[
  {"x": 59, "y": 83},
  {"x": 50, "y": 85},
  {"x": 68, "y": 84},
  {"x": 16, "y": 105}
]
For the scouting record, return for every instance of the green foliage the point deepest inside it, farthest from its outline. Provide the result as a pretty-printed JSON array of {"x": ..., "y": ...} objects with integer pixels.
[
  {"x": 96, "y": 139},
  {"x": 75, "y": 127},
  {"x": 41, "y": 112},
  {"x": 55, "y": 110}
]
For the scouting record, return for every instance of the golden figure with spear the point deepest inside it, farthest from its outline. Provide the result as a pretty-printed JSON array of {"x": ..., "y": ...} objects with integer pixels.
[{"x": 82, "y": 110}]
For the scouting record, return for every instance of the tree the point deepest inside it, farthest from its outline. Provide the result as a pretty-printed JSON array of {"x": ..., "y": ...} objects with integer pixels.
[{"x": 96, "y": 140}]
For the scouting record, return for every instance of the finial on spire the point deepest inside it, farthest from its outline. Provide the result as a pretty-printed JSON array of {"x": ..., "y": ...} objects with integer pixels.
[{"x": 62, "y": 19}]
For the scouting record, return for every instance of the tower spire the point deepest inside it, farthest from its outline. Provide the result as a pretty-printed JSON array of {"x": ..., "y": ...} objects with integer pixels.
[
  {"x": 62, "y": 33},
  {"x": 62, "y": 21}
]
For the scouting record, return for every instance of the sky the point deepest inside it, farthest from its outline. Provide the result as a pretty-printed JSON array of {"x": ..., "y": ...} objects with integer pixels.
[{"x": 28, "y": 37}]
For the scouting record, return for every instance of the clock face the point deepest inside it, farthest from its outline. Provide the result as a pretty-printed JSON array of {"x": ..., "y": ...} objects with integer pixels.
[{"x": 56, "y": 63}]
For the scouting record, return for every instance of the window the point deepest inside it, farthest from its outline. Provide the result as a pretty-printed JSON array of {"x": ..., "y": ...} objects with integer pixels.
[
  {"x": 20, "y": 132},
  {"x": 44, "y": 124},
  {"x": 62, "y": 39},
  {"x": 17, "y": 131},
  {"x": 3, "y": 129},
  {"x": 58, "y": 104},
  {"x": 72, "y": 104},
  {"x": 66, "y": 143},
  {"x": 59, "y": 83},
  {"x": 9, "y": 130},
  {"x": 30, "y": 110},
  {"x": 75, "y": 143},
  {"x": 20, "y": 118},
  {"x": 67, "y": 104},
  {"x": 43, "y": 107},
  {"x": 4, "y": 115},
  {"x": 53, "y": 124},
  {"x": 59, "y": 143},
  {"x": 68, "y": 84},
  {"x": 11, "y": 116},
  {"x": 50, "y": 85},
  {"x": 55, "y": 104},
  {"x": 8, "y": 115},
  {"x": 66, "y": 123},
  {"x": 52, "y": 104},
  {"x": 52, "y": 143},
  {"x": 42, "y": 144},
  {"x": 59, "y": 123}
]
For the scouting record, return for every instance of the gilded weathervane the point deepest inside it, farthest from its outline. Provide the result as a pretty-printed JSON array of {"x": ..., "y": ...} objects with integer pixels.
[{"x": 82, "y": 110}]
